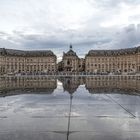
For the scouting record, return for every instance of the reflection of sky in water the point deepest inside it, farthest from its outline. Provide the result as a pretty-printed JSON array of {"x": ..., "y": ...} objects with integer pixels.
[{"x": 113, "y": 112}]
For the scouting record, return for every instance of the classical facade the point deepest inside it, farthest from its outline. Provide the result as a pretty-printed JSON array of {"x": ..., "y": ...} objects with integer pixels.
[
  {"x": 16, "y": 61},
  {"x": 113, "y": 61},
  {"x": 71, "y": 62},
  {"x": 95, "y": 62}
]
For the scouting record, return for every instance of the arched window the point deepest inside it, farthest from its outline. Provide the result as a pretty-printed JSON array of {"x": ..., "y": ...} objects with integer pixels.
[{"x": 68, "y": 62}]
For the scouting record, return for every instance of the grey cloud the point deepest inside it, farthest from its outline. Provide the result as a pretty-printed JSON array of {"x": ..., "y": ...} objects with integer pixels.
[
  {"x": 125, "y": 38},
  {"x": 112, "y": 3},
  {"x": 42, "y": 27},
  {"x": 134, "y": 18}
]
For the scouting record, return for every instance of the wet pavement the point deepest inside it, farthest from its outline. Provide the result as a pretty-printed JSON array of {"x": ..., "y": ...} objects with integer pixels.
[{"x": 70, "y": 109}]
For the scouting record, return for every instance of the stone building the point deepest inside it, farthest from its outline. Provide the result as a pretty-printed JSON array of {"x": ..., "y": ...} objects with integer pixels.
[
  {"x": 95, "y": 62},
  {"x": 71, "y": 62},
  {"x": 16, "y": 61},
  {"x": 113, "y": 61}
]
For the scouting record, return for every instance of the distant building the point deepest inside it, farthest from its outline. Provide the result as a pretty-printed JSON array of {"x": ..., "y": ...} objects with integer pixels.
[
  {"x": 95, "y": 62},
  {"x": 16, "y": 61},
  {"x": 71, "y": 62},
  {"x": 60, "y": 66},
  {"x": 113, "y": 61}
]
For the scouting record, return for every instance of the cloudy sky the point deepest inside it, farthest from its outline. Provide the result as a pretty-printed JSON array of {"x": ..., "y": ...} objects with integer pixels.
[{"x": 54, "y": 24}]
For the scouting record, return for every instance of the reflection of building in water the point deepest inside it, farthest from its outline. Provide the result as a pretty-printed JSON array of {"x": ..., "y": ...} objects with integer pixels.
[
  {"x": 70, "y": 84},
  {"x": 94, "y": 84},
  {"x": 41, "y": 84},
  {"x": 114, "y": 83}
]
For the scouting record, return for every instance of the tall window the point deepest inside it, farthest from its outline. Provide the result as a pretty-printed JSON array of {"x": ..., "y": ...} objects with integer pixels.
[{"x": 68, "y": 62}]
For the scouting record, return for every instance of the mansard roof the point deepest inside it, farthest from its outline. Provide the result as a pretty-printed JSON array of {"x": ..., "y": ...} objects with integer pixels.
[
  {"x": 70, "y": 52},
  {"x": 113, "y": 52},
  {"x": 12, "y": 52}
]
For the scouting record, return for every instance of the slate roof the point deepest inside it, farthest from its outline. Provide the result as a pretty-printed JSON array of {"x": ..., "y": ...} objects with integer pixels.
[
  {"x": 70, "y": 52},
  {"x": 12, "y": 52},
  {"x": 113, "y": 52}
]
